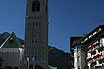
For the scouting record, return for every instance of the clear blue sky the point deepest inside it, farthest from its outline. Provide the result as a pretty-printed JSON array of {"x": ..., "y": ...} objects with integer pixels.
[{"x": 66, "y": 18}]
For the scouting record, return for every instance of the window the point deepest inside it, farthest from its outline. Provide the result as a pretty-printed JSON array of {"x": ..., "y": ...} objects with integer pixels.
[
  {"x": 33, "y": 24},
  {"x": 34, "y": 40},
  {"x": 78, "y": 49},
  {"x": 78, "y": 59},
  {"x": 78, "y": 67},
  {"x": 35, "y": 6},
  {"x": 37, "y": 24}
]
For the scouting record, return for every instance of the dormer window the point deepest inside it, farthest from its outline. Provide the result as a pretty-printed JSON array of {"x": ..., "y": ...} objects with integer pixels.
[
  {"x": 11, "y": 40},
  {"x": 35, "y": 6}
]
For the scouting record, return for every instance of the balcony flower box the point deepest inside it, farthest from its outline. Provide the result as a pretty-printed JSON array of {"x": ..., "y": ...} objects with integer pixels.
[
  {"x": 86, "y": 50},
  {"x": 89, "y": 60},
  {"x": 94, "y": 57},
  {"x": 97, "y": 57}
]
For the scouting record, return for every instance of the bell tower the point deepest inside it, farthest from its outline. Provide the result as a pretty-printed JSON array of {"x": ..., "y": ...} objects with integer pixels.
[{"x": 36, "y": 32}]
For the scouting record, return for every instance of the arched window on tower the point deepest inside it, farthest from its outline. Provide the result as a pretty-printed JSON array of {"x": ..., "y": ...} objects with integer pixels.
[{"x": 35, "y": 6}]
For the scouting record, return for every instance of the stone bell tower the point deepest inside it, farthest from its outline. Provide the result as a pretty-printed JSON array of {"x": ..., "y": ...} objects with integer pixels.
[{"x": 36, "y": 32}]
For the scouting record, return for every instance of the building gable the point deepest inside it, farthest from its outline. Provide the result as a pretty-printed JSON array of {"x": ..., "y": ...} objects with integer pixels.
[{"x": 11, "y": 42}]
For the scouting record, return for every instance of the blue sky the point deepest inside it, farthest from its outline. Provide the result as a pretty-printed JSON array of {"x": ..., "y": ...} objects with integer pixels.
[{"x": 66, "y": 19}]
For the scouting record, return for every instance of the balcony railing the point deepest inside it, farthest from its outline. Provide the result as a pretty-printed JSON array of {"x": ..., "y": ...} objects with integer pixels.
[{"x": 93, "y": 47}]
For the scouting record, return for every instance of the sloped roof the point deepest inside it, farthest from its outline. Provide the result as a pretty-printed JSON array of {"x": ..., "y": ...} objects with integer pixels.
[
  {"x": 11, "y": 42},
  {"x": 52, "y": 67}
]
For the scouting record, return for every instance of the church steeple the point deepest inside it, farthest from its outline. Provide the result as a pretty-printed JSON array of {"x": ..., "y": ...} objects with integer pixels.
[{"x": 36, "y": 31}]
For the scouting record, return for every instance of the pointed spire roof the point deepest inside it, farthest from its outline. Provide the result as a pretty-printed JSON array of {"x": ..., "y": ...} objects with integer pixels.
[{"x": 11, "y": 42}]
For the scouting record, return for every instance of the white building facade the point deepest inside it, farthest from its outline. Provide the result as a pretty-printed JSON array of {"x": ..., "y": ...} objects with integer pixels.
[
  {"x": 78, "y": 52},
  {"x": 93, "y": 44}
]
